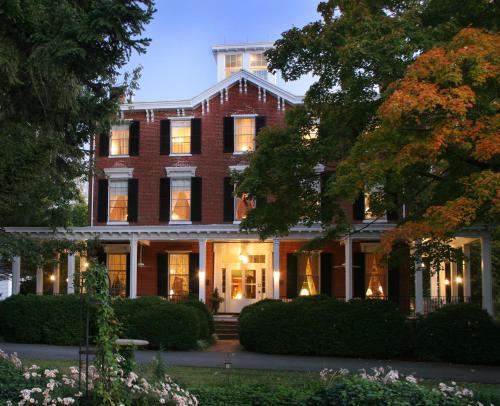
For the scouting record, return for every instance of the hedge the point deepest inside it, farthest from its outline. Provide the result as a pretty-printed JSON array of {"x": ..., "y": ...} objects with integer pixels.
[
  {"x": 458, "y": 333},
  {"x": 56, "y": 320},
  {"x": 319, "y": 325},
  {"x": 325, "y": 326}
]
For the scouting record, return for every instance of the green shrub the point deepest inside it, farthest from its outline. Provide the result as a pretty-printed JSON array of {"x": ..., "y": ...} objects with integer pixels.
[
  {"x": 164, "y": 324},
  {"x": 458, "y": 333},
  {"x": 205, "y": 333},
  {"x": 11, "y": 381},
  {"x": 325, "y": 326},
  {"x": 356, "y": 391},
  {"x": 40, "y": 319}
]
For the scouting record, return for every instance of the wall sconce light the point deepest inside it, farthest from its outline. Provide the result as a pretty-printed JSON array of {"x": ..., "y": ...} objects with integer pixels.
[
  {"x": 446, "y": 282},
  {"x": 243, "y": 258},
  {"x": 52, "y": 278},
  {"x": 459, "y": 279}
]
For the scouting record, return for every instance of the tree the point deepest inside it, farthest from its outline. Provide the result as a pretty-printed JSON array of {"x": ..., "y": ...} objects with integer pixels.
[
  {"x": 356, "y": 51},
  {"x": 59, "y": 65}
]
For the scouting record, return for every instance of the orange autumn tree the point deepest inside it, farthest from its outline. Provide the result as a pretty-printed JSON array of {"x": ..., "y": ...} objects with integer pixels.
[{"x": 432, "y": 155}]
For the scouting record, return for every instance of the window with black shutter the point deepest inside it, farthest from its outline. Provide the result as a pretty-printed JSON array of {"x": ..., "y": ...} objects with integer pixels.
[
  {"x": 164, "y": 137},
  {"x": 260, "y": 122},
  {"x": 228, "y": 132},
  {"x": 196, "y": 136},
  {"x": 134, "y": 135},
  {"x": 194, "y": 285},
  {"x": 162, "y": 274},
  {"x": 196, "y": 197},
  {"x": 104, "y": 144},
  {"x": 133, "y": 200},
  {"x": 291, "y": 275},
  {"x": 228, "y": 200},
  {"x": 164, "y": 199},
  {"x": 358, "y": 208},
  {"x": 326, "y": 270},
  {"x": 102, "y": 200}
]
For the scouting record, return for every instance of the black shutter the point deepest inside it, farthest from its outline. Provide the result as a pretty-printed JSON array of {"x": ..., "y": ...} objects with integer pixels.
[
  {"x": 164, "y": 137},
  {"x": 393, "y": 281},
  {"x": 196, "y": 190},
  {"x": 104, "y": 144},
  {"x": 133, "y": 199},
  {"x": 196, "y": 136},
  {"x": 194, "y": 285},
  {"x": 260, "y": 122},
  {"x": 133, "y": 139},
  {"x": 102, "y": 256},
  {"x": 102, "y": 200},
  {"x": 392, "y": 215},
  {"x": 228, "y": 200},
  {"x": 127, "y": 277},
  {"x": 162, "y": 274},
  {"x": 292, "y": 265},
  {"x": 323, "y": 182},
  {"x": 229, "y": 134},
  {"x": 326, "y": 260},
  {"x": 358, "y": 208},
  {"x": 164, "y": 199},
  {"x": 359, "y": 288}
]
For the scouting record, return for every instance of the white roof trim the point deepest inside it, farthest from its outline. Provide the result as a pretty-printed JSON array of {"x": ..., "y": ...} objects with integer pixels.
[{"x": 214, "y": 91}]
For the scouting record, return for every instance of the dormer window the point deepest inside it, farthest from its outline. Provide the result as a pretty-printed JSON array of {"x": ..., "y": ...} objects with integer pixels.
[
  {"x": 258, "y": 64},
  {"x": 233, "y": 64}
]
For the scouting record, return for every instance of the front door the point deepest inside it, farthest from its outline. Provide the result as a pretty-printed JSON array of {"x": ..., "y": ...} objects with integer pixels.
[{"x": 243, "y": 274}]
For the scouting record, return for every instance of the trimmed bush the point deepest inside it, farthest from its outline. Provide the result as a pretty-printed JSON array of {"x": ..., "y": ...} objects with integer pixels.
[
  {"x": 203, "y": 309},
  {"x": 325, "y": 326},
  {"x": 40, "y": 319},
  {"x": 460, "y": 333}
]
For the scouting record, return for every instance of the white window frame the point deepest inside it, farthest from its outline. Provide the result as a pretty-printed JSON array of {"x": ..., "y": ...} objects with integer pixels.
[
  {"x": 169, "y": 253},
  {"x": 257, "y": 72},
  {"x": 117, "y": 175},
  {"x": 371, "y": 219},
  {"x": 232, "y": 72},
  {"x": 179, "y": 173},
  {"x": 235, "y": 117},
  {"x": 172, "y": 120},
  {"x": 110, "y": 148}
]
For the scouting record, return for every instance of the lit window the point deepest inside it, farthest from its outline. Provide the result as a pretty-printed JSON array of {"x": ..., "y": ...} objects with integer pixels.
[
  {"x": 119, "y": 139},
  {"x": 118, "y": 200},
  {"x": 244, "y": 134},
  {"x": 233, "y": 64},
  {"x": 180, "y": 137},
  {"x": 308, "y": 274},
  {"x": 180, "y": 200},
  {"x": 375, "y": 277},
  {"x": 242, "y": 205},
  {"x": 258, "y": 65},
  {"x": 178, "y": 265},
  {"x": 311, "y": 135},
  {"x": 117, "y": 271}
]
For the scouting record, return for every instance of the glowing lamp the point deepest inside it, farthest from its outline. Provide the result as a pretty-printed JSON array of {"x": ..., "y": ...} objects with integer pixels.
[
  {"x": 304, "y": 292},
  {"x": 369, "y": 292},
  {"x": 171, "y": 291},
  {"x": 238, "y": 296},
  {"x": 459, "y": 279},
  {"x": 446, "y": 282},
  {"x": 52, "y": 278},
  {"x": 243, "y": 258}
]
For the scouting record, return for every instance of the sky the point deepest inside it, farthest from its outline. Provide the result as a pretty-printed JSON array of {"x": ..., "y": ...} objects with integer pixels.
[{"x": 179, "y": 63}]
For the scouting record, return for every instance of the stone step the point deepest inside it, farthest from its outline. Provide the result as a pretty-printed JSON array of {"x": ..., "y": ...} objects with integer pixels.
[{"x": 227, "y": 336}]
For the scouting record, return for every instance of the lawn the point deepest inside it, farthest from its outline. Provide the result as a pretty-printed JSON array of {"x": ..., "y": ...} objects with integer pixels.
[{"x": 218, "y": 385}]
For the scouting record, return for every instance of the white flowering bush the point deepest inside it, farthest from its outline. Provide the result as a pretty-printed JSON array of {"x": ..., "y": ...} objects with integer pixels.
[
  {"x": 52, "y": 387},
  {"x": 386, "y": 386}
]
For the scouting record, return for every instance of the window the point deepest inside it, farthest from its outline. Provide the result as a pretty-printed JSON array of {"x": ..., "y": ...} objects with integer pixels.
[
  {"x": 233, "y": 64},
  {"x": 119, "y": 140},
  {"x": 117, "y": 271},
  {"x": 242, "y": 205},
  {"x": 369, "y": 215},
  {"x": 375, "y": 277},
  {"x": 118, "y": 200},
  {"x": 308, "y": 274},
  {"x": 258, "y": 65},
  {"x": 180, "y": 199},
  {"x": 180, "y": 137},
  {"x": 244, "y": 134},
  {"x": 178, "y": 265}
]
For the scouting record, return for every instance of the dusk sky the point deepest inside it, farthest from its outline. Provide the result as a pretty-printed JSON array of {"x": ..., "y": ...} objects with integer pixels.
[{"x": 179, "y": 63}]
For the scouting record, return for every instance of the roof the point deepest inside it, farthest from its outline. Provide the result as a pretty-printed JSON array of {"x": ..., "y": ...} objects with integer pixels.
[
  {"x": 255, "y": 46},
  {"x": 213, "y": 92}
]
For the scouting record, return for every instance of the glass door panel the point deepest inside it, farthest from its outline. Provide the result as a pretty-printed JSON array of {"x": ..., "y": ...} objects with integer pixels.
[
  {"x": 236, "y": 284},
  {"x": 250, "y": 283}
]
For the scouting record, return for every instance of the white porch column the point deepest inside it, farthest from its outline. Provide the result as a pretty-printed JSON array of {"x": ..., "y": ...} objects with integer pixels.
[
  {"x": 39, "y": 280},
  {"x": 348, "y": 268},
  {"x": 419, "y": 287},
  {"x": 133, "y": 267},
  {"x": 276, "y": 269},
  {"x": 71, "y": 274},
  {"x": 56, "y": 276},
  {"x": 202, "y": 271},
  {"x": 16, "y": 275},
  {"x": 486, "y": 278},
  {"x": 434, "y": 284},
  {"x": 453, "y": 280},
  {"x": 466, "y": 271}
]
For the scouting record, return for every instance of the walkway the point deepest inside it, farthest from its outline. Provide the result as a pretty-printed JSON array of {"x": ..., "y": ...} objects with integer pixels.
[{"x": 249, "y": 360}]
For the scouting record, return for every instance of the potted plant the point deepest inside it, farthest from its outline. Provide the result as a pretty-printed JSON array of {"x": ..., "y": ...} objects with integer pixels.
[{"x": 216, "y": 300}]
